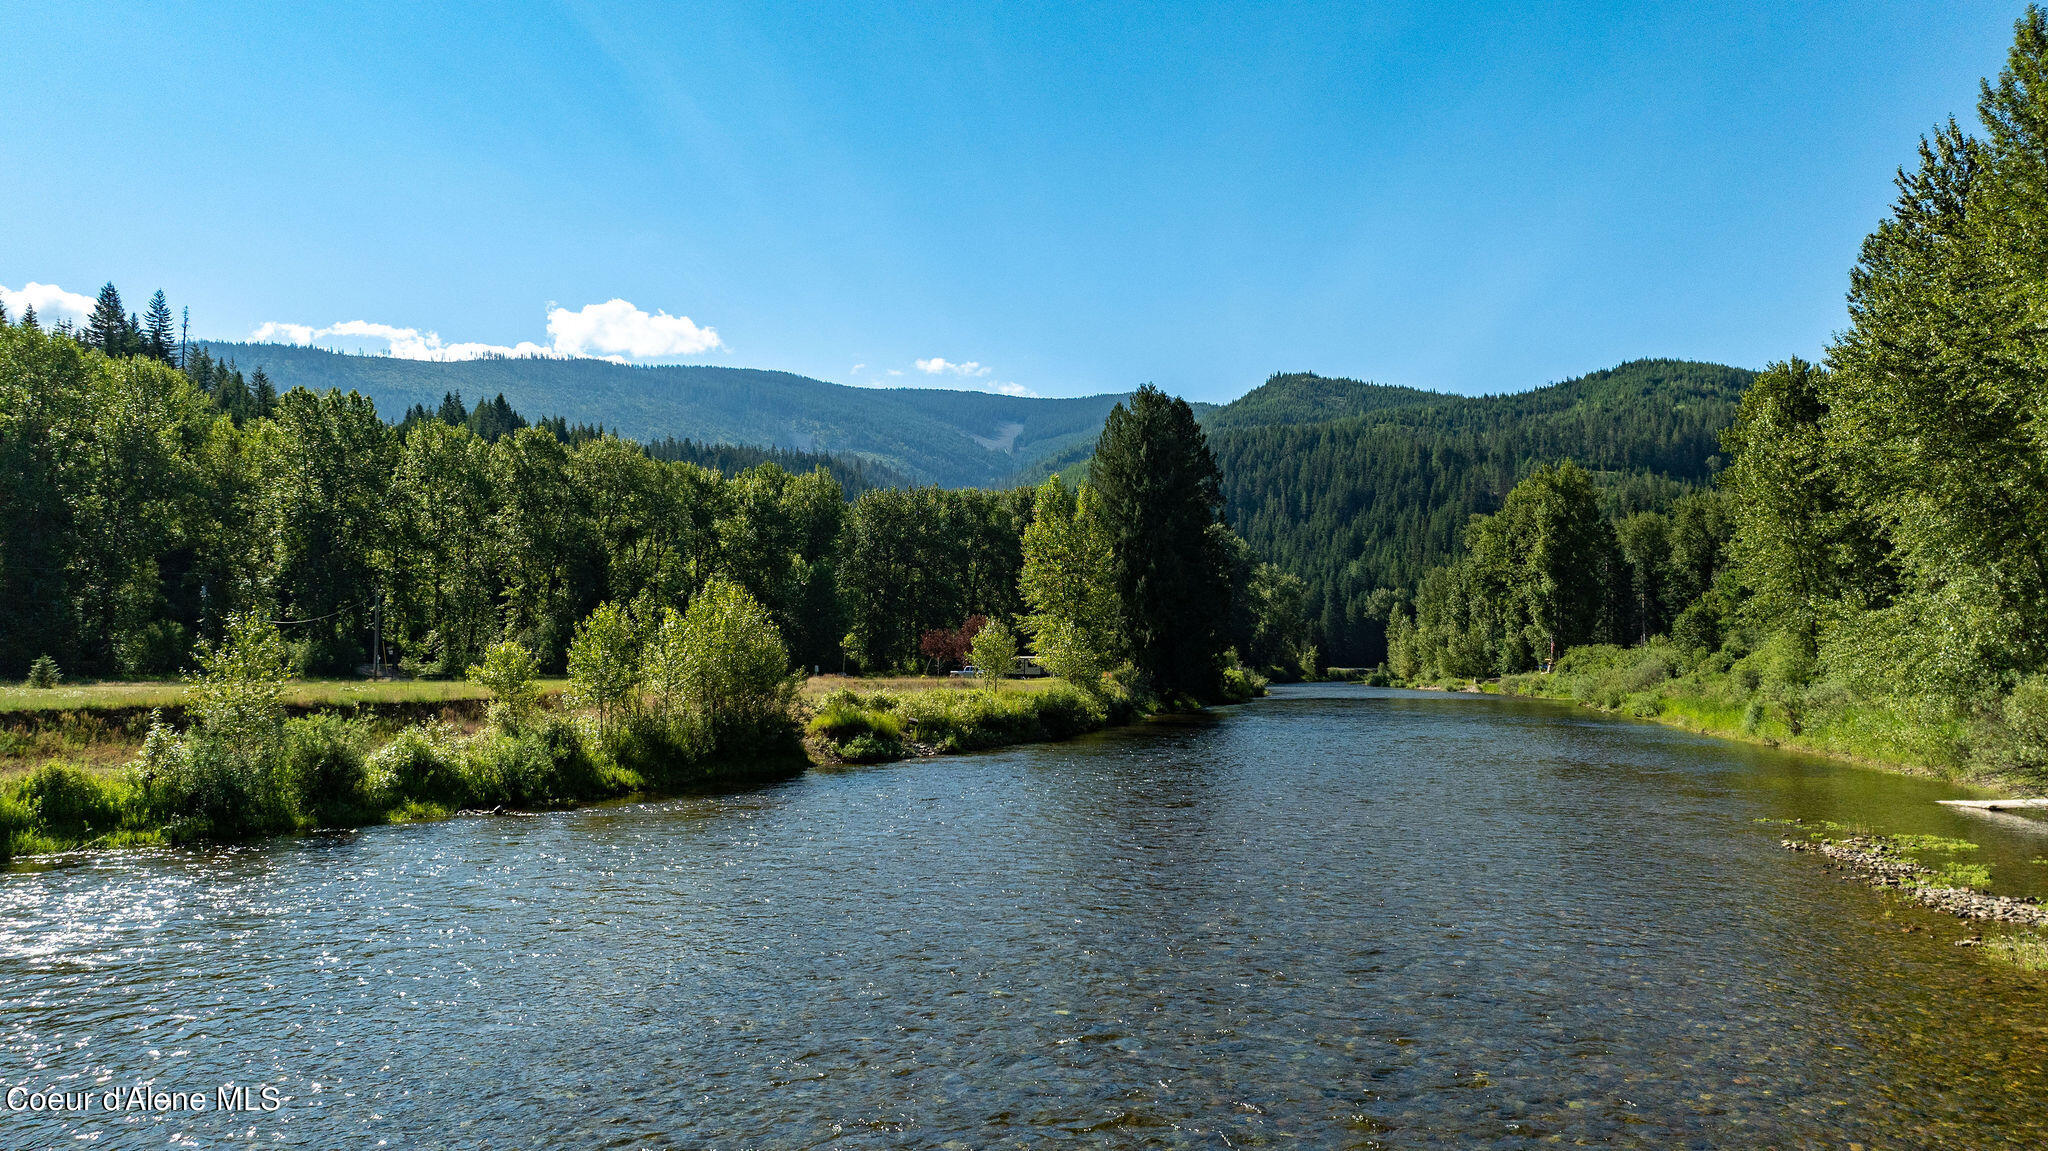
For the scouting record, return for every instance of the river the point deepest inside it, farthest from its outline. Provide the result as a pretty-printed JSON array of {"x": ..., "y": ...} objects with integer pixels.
[{"x": 1339, "y": 917}]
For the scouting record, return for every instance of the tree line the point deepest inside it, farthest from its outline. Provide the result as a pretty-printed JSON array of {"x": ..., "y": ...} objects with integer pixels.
[
  {"x": 144, "y": 505},
  {"x": 1362, "y": 507},
  {"x": 1881, "y": 529}
]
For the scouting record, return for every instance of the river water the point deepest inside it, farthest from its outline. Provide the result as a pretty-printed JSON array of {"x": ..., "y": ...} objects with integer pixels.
[{"x": 1339, "y": 917}]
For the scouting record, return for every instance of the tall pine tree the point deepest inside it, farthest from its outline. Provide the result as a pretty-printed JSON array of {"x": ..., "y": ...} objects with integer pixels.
[
  {"x": 158, "y": 335},
  {"x": 107, "y": 327},
  {"x": 1160, "y": 493}
]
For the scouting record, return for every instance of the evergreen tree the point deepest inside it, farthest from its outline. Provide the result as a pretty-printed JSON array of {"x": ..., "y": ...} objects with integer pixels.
[
  {"x": 28, "y": 316},
  {"x": 107, "y": 327},
  {"x": 452, "y": 411},
  {"x": 262, "y": 394},
  {"x": 1160, "y": 494},
  {"x": 158, "y": 338}
]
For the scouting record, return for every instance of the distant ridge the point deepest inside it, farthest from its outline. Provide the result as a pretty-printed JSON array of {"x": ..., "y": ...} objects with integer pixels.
[{"x": 954, "y": 438}]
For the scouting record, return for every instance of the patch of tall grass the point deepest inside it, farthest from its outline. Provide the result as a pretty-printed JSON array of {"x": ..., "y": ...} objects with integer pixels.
[{"x": 869, "y": 728}]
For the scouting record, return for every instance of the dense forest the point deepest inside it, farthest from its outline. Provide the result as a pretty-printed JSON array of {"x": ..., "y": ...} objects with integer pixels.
[
  {"x": 147, "y": 503},
  {"x": 1362, "y": 506},
  {"x": 1872, "y": 570}
]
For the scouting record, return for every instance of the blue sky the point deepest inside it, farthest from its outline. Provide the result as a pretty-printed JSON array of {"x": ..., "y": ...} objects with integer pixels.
[{"x": 1054, "y": 198}]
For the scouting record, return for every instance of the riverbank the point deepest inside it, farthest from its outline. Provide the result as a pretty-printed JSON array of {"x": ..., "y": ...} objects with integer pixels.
[
  {"x": 111, "y": 776},
  {"x": 1759, "y": 701}
]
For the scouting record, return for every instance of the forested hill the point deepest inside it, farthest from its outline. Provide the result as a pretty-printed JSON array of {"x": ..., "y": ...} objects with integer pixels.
[
  {"x": 946, "y": 437},
  {"x": 1374, "y": 499},
  {"x": 1307, "y": 398}
]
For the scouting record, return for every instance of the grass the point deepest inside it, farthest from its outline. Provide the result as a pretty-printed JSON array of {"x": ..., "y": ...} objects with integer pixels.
[
  {"x": 1658, "y": 682},
  {"x": 819, "y": 686},
  {"x": 303, "y": 693},
  {"x": 935, "y": 715},
  {"x": 2027, "y": 952}
]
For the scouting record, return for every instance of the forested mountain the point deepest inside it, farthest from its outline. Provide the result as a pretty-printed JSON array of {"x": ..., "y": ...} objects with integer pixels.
[
  {"x": 1307, "y": 398},
  {"x": 951, "y": 438},
  {"x": 1372, "y": 501}
]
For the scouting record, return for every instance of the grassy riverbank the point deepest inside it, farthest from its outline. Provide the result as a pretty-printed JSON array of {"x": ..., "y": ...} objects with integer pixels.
[
  {"x": 1769, "y": 697},
  {"x": 875, "y": 726},
  {"x": 97, "y": 774}
]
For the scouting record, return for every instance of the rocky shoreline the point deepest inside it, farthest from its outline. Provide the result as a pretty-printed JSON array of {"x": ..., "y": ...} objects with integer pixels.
[{"x": 1879, "y": 861}]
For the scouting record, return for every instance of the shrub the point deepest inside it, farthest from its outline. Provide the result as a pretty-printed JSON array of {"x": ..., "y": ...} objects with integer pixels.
[
  {"x": 508, "y": 672},
  {"x": 501, "y": 768},
  {"x": 215, "y": 791},
  {"x": 604, "y": 664},
  {"x": 72, "y": 803},
  {"x": 420, "y": 765},
  {"x": 1241, "y": 683},
  {"x": 858, "y": 734},
  {"x": 15, "y": 821},
  {"x": 994, "y": 650},
  {"x": 324, "y": 764},
  {"x": 2025, "y": 713},
  {"x": 43, "y": 673},
  {"x": 735, "y": 672}
]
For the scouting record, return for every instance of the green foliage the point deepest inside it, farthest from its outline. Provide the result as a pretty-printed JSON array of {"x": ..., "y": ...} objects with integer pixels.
[
  {"x": 917, "y": 560},
  {"x": 1365, "y": 498},
  {"x": 1159, "y": 494},
  {"x": 324, "y": 767},
  {"x": 72, "y": 805},
  {"x": 237, "y": 695},
  {"x": 43, "y": 673},
  {"x": 17, "y": 822},
  {"x": 859, "y": 731},
  {"x": 734, "y": 672},
  {"x": 423, "y": 763},
  {"x": 954, "y": 721},
  {"x": 604, "y": 665},
  {"x": 1538, "y": 577},
  {"x": 1075, "y": 619},
  {"x": 1241, "y": 683},
  {"x": 994, "y": 652},
  {"x": 508, "y": 672}
]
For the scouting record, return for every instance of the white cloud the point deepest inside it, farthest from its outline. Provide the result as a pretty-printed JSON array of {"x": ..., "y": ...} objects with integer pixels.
[
  {"x": 939, "y": 365},
  {"x": 50, "y": 301},
  {"x": 617, "y": 328},
  {"x": 404, "y": 343},
  {"x": 613, "y": 330}
]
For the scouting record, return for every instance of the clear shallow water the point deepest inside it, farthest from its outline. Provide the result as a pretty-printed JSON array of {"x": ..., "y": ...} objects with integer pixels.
[{"x": 1336, "y": 918}]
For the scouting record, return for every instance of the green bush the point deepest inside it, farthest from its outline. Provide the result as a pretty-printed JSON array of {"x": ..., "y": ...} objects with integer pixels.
[
  {"x": 421, "y": 765},
  {"x": 15, "y": 822},
  {"x": 2025, "y": 713},
  {"x": 968, "y": 721},
  {"x": 511, "y": 770},
  {"x": 73, "y": 804},
  {"x": 324, "y": 764},
  {"x": 859, "y": 733},
  {"x": 841, "y": 721},
  {"x": 1240, "y": 683},
  {"x": 43, "y": 673},
  {"x": 214, "y": 791}
]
